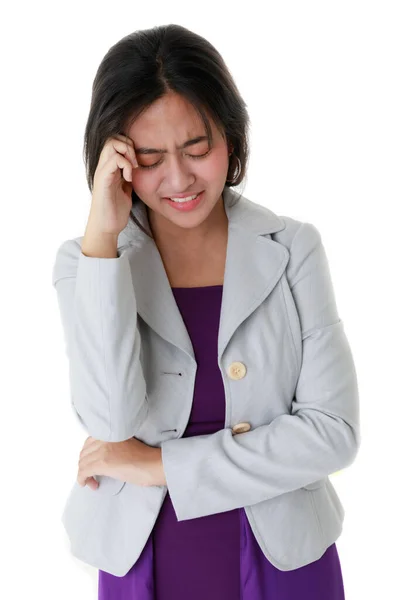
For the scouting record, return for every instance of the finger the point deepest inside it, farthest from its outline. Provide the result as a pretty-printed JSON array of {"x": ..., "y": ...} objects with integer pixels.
[
  {"x": 89, "y": 441},
  {"x": 89, "y": 481},
  {"x": 130, "y": 150},
  {"x": 132, "y": 156},
  {"x": 132, "y": 153},
  {"x": 124, "y": 137},
  {"x": 90, "y": 465},
  {"x": 90, "y": 445},
  {"x": 119, "y": 146},
  {"x": 92, "y": 483},
  {"x": 87, "y": 451},
  {"x": 86, "y": 475},
  {"x": 117, "y": 161},
  {"x": 89, "y": 460}
]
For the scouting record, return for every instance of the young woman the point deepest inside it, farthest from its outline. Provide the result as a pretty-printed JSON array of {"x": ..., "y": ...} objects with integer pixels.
[{"x": 208, "y": 363}]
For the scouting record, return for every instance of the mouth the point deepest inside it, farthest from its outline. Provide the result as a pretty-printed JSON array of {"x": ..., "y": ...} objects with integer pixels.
[
  {"x": 183, "y": 204},
  {"x": 181, "y": 196}
]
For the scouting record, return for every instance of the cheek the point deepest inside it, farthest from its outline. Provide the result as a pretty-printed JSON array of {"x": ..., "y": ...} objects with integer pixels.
[
  {"x": 217, "y": 164},
  {"x": 143, "y": 182}
]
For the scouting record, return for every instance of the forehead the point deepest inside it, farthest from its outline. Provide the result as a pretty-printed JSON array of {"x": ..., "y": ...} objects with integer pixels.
[
  {"x": 170, "y": 122},
  {"x": 171, "y": 107}
]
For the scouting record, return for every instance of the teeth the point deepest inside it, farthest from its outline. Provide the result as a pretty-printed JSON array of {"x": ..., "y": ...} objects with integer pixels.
[{"x": 184, "y": 199}]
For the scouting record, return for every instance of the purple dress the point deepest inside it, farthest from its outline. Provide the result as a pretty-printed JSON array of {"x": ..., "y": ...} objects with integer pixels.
[{"x": 216, "y": 556}]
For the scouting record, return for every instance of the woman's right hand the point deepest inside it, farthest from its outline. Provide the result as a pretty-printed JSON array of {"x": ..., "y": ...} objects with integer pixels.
[{"x": 112, "y": 189}]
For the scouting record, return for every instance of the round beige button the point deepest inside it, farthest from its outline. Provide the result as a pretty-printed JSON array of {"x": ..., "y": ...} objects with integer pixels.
[
  {"x": 236, "y": 370},
  {"x": 241, "y": 428}
]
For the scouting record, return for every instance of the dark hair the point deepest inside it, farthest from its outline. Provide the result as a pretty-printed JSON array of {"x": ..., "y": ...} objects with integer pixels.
[{"x": 144, "y": 66}]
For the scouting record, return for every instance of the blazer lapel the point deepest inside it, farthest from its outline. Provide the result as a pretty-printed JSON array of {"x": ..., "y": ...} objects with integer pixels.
[{"x": 254, "y": 264}]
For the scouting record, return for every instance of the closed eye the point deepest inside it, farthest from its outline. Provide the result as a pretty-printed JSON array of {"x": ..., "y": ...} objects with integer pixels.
[{"x": 159, "y": 162}]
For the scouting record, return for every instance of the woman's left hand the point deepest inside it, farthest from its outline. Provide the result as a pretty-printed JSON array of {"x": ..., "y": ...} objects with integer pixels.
[{"x": 131, "y": 460}]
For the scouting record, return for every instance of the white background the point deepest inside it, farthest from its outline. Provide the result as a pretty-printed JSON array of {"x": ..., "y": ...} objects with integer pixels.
[{"x": 321, "y": 82}]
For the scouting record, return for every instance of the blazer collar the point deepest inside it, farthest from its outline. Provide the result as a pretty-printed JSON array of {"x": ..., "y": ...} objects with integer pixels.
[{"x": 254, "y": 264}]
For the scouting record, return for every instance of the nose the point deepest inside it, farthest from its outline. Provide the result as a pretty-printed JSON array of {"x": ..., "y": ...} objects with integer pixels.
[{"x": 179, "y": 174}]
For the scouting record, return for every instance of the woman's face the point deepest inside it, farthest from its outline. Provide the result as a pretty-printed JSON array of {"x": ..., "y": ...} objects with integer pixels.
[{"x": 167, "y": 124}]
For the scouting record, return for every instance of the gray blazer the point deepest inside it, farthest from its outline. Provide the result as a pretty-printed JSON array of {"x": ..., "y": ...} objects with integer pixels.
[{"x": 292, "y": 408}]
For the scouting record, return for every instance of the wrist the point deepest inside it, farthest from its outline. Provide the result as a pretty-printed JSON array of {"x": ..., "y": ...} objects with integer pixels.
[
  {"x": 99, "y": 244},
  {"x": 157, "y": 475}
]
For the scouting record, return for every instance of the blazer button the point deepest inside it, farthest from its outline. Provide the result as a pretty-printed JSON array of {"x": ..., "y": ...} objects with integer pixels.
[
  {"x": 236, "y": 370},
  {"x": 241, "y": 428}
]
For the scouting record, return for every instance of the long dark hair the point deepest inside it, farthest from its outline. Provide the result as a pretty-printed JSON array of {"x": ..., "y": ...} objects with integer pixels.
[{"x": 141, "y": 68}]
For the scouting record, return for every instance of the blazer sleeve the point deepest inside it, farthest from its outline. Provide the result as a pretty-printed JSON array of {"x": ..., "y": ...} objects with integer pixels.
[
  {"x": 98, "y": 313},
  {"x": 218, "y": 472}
]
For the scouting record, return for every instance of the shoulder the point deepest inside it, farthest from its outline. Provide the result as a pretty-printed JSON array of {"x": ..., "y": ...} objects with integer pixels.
[
  {"x": 284, "y": 229},
  {"x": 294, "y": 230},
  {"x": 300, "y": 241},
  {"x": 296, "y": 234},
  {"x": 303, "y": 242}
]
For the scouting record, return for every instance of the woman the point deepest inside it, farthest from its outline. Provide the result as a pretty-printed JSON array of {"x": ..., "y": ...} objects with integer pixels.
[{"x": 166, "y": 138}]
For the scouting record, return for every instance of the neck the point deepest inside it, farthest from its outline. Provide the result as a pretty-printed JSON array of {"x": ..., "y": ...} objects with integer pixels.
[{"x": 171, "y": 237}]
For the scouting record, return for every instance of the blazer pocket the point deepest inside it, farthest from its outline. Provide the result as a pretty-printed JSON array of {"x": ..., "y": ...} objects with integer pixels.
[
  {"x": 108, "y": 485},
  {"x": 315, "y": 485}
]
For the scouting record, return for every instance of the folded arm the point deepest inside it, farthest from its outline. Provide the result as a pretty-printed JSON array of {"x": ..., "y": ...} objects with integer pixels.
[{"x": 218, "y": 472}]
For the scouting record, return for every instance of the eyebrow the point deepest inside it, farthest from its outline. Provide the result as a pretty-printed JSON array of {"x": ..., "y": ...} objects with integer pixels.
[{"x": 195, "y": 140}]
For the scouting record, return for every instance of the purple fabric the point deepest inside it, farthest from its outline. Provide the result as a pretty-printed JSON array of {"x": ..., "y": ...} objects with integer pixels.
[{"x": 217, "y": 556}]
